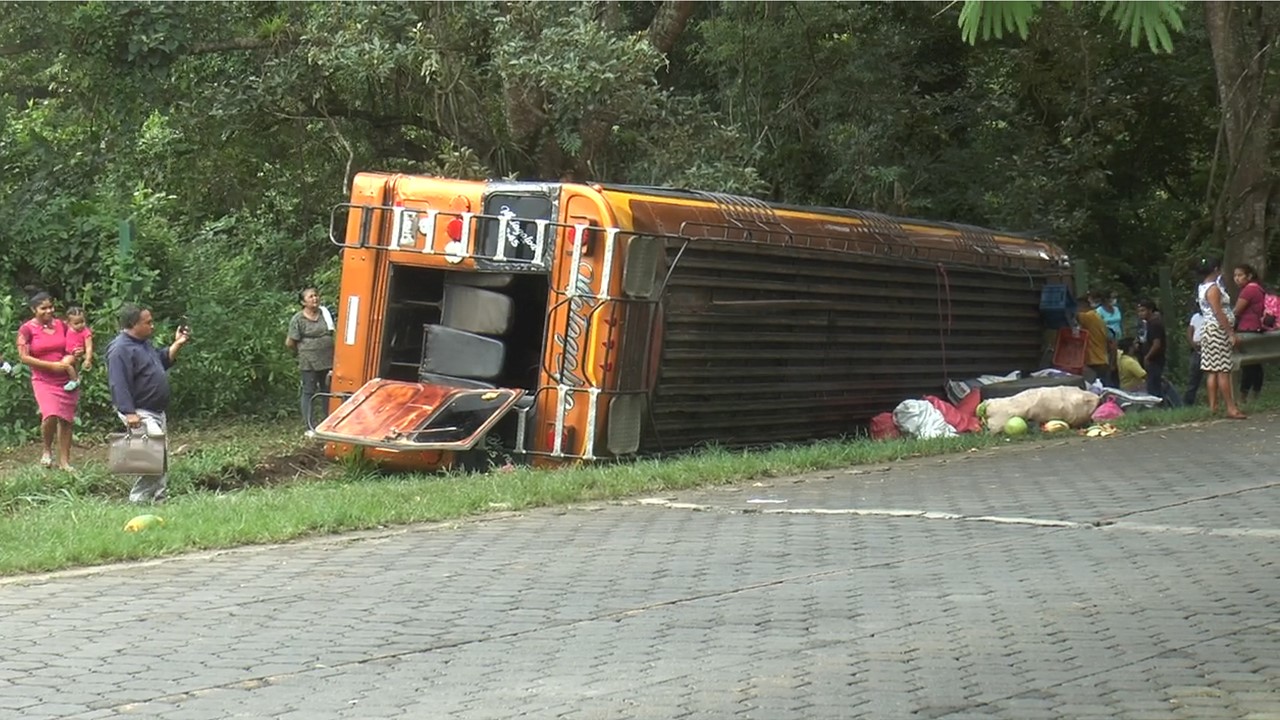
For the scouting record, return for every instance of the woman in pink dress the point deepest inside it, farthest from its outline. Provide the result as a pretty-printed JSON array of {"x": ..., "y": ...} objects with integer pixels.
[{"x": 42, "y": 346}]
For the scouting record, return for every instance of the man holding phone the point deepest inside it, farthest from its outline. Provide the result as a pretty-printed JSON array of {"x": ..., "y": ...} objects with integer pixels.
[{"x": 137, "y": 373}]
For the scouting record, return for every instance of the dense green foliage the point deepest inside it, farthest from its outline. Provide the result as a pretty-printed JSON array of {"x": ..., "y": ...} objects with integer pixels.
[{"x": 226, "y": 131}]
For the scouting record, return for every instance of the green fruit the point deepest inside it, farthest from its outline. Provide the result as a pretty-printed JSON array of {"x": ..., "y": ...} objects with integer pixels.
[
  {"x": 143, "y": 522},
  {"x": 1015, "y": 426}
]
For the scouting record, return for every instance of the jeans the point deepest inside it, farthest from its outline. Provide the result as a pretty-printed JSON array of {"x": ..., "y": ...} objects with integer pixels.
[
  {"x": 1195, "y": 378},
  {"x": 1155, "y": 379},
  {"x": 1250, "y": 379},
  {"x": 313, "y": 381},
  {"x": 151, "y": 488}
]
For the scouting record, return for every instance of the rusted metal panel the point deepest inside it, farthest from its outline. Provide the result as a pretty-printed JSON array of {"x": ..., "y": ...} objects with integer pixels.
[
  {"x": 398, "y": 415},
  {"x": 842, "y": 231},
  {"x": 768, "y": 342}
]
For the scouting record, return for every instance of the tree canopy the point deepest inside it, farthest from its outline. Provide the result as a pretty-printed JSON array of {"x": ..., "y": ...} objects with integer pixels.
[
  {"x": 1242, "y": 37},
  {"x": 226, "y": 130}
]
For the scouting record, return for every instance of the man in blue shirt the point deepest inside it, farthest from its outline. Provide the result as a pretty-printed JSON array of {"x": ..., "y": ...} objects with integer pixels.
[{"x": 137, "y": 373}]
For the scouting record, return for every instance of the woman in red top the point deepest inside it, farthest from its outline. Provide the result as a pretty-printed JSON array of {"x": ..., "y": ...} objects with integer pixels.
[
  {"x": 42, "y": 346},
  {"x": 1249, "y": 310}
]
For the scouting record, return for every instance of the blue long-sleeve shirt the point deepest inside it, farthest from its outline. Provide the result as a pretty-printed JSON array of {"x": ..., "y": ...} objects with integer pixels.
[{"x": 137, "y": 373}]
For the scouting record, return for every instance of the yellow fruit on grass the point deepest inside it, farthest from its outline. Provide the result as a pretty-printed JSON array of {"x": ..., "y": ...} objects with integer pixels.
[
  {"x": 143, "y": 522},
  {"x": 1104, "y": 430}
]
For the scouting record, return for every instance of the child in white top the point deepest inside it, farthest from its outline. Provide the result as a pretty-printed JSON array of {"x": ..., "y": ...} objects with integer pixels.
[{"x": 1195, "y": 376}]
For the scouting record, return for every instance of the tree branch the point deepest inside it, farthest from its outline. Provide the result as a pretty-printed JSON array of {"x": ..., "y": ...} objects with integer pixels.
[
  {"x": 669, "y": 24},
  {"x": 351, "y": 154},
  {"x": 609, "y": 15},
  {"x": 203, "y": 48},
  {"x": 20, "y": 47},
  {"x": 247, "y": 43}
]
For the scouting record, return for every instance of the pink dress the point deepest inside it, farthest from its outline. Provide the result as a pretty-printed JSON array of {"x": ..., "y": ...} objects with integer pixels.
[
  {"x": 76, "y": 339},
  {"x": 50, "y": 345}
]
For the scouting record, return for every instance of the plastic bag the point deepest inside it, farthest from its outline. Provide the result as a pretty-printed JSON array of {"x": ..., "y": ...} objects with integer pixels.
[
  {"x": 1108, "y": 410},
  {"x": 1134, "y": 399},
  {"x": 958, "y": 418},
  {"x": 917, "y": 418},
  {"x": 883, "y": 427}
]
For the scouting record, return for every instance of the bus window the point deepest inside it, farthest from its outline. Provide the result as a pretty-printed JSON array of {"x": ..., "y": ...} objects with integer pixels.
[
  {"x": 465, "y": 416},
  {"x": 414, "y": 301},
  {"x": 520, "y": 232}
]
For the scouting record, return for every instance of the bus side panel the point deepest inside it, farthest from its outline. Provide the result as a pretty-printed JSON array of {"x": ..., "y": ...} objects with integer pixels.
[
  {"x": 357, "y": 337},
  {"x": 765, "y": 343}
]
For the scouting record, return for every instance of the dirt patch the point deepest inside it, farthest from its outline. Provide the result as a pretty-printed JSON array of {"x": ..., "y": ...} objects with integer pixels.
[
  {"x": 219, "y": 458},
  {"x": 302, "y": 463},
  {"x": 15, "y": 458}
]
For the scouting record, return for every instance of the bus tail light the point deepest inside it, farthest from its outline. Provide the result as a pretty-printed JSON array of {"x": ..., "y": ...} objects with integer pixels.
[
  {"x": 566, "y": 439},
  {"x": 454, "y": 229}
]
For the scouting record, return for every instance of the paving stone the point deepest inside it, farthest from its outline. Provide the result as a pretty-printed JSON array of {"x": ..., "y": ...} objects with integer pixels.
[{"x": 629, "y": 611}]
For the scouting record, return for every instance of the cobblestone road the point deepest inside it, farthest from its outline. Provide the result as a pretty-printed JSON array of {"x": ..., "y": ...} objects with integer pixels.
[{"x": 1130, "y": 577}]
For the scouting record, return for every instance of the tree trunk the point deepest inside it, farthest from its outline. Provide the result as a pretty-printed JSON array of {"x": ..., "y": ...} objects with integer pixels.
[
  {"x": 1242, "y": 36},
  {"x": 669, "y": 24}
]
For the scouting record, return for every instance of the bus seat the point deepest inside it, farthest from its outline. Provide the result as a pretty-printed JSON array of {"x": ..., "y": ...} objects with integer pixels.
[
  {"x": 447, "y": 380},
  {"x": 479, "y": 279},
  {"x": 476, "y": 310},
  {"x": 460, "y": 354}
]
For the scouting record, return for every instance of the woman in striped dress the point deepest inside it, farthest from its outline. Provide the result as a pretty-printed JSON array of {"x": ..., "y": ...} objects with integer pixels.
[{"x": 1218, "y": 338}]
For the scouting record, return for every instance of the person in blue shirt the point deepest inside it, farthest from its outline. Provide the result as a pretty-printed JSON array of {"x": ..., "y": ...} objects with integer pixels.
[
  {"x": 138, "y": 376},
  {"x": 1105, "y": 303}
]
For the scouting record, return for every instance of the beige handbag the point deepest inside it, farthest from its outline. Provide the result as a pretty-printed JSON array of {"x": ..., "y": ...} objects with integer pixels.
[{"x": 136, "y": 454}]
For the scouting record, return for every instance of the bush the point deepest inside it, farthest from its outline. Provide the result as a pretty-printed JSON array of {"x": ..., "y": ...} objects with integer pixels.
[{"x": 234, "y": 279}]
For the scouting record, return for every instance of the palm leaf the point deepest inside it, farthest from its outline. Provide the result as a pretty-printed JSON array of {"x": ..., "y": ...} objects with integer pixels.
[
  {"x": 1138, "y": 18},
  {"x": 988, "y": 18},
  {"x": 1152, "y": 19}
]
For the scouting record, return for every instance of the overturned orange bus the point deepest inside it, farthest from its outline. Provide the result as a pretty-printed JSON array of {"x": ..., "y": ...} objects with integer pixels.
[{"x": 563, "y": 322}]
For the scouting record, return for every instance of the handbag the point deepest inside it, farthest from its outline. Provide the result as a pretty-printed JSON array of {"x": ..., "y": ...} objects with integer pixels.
[{"x": 133, "y": 453}]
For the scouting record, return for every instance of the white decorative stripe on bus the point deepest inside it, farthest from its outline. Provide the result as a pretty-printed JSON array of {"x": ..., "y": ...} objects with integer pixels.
[{"x": 353, "y": 307}]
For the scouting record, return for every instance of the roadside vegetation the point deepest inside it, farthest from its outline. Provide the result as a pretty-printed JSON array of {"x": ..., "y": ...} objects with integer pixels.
[
  {"x": 189, "y": 154},
  {"x": 260, "y": 483}
]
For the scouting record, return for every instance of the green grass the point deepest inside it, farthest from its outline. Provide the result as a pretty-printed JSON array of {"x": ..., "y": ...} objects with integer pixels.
[
  {"x": 66, "y": 530},
  {"x": 211, "y": 460},
  {"x": 52, "y": 520}
]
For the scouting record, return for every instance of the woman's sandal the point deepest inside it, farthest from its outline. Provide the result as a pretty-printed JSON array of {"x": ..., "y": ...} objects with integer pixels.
[
  {"x": 1237, "y": 416},
  {"x": 46, "y": 460}
]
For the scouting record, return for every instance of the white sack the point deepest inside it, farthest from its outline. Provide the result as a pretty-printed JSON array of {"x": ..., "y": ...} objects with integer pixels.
[
  {"x": 1040, "y": 405},
  {"x": 919, "y": 418}
]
